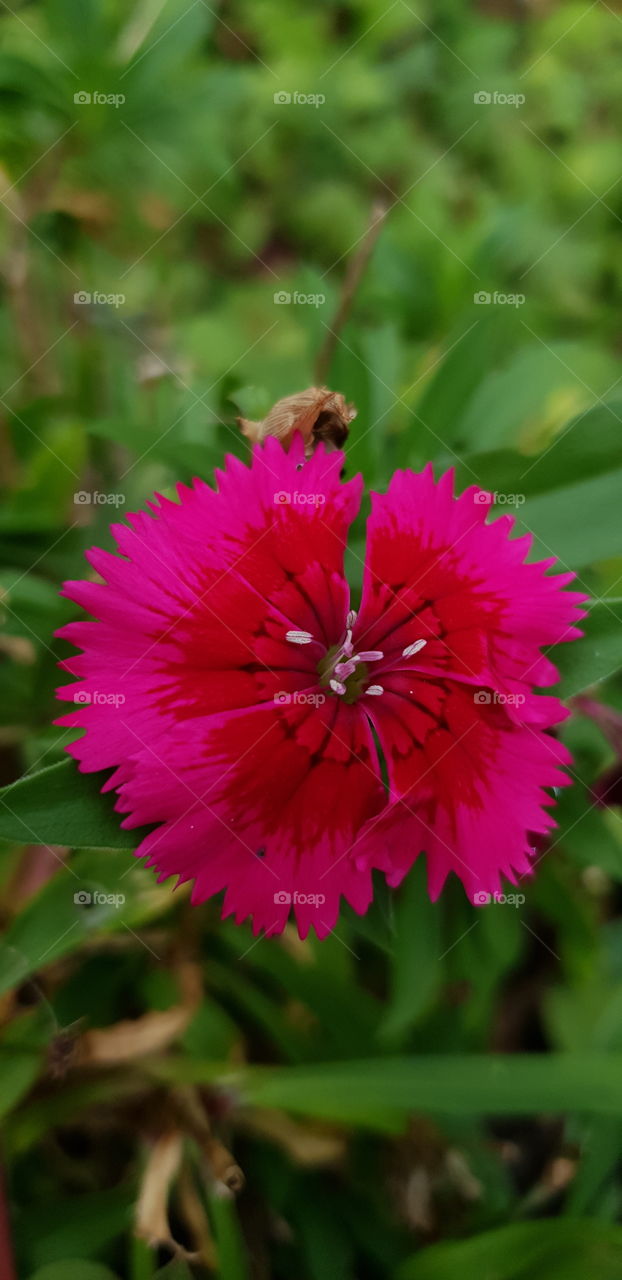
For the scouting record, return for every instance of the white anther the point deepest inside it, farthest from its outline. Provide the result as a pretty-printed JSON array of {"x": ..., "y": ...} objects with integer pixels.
[
  {"x": 412, "y": 649},
  {"x": 299, "y": 637},
  {"x": 337, "y": 686},
  {"x": 375, "y": 690},
  {"x": 370, "y": 655}
]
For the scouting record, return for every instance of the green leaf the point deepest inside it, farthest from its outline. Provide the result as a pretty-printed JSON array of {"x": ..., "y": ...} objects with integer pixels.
[
  {"x": 183, "y": 460},
  {"x": 51, "y": 925},
  {"x": 580, "y": 524},
  {"x": 88, "y": 897},
  {"x": 60, "y": 805},
  {"x": 142, "y": 1264},
  {"x": 251, "y": 402},
  {"x": 588, "y": 445},
  {"x": 472, "y": 351},
  {"x": 21, "y": 1052},
  {"x": 416, "y": 964},
  {"x": 568, "y": 1249},
  {"x": 175, "y": 1270},
  {"x": 74, "y": 1269},
  {"x": 41, "y": 1114},
  {"x": 379, "y": 1093},
  {"x": 599, "y": 1158},
  {"x": 495, "y": 1084},
  {"x": 327, "y": 1240},
  {"x": 567, "y": 496},
  {"x": 232, "y": 1262},
  {"x": 597, "y": 656},
  {"x": 77, "y": 1226},
  {"x": 532, "y": 395}
]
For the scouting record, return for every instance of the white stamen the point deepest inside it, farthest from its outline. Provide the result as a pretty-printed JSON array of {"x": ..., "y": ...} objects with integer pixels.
[
  {"x": 375, "y": 690},
  {"x": 337, "y": 686},
  {"x": 299, "y": 637},
  {"x": 412, "y": 649},
  {"x": 351, "y": 618}
]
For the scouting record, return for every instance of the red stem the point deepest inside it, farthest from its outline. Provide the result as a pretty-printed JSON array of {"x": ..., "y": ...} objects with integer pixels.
[{"x": 7, "y": 1266}]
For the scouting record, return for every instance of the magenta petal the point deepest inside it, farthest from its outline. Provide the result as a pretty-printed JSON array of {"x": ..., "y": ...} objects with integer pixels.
[{"x": 436, "y": 571}]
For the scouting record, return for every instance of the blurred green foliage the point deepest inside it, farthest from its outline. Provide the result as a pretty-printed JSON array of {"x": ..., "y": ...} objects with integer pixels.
[{"x": 432, "y": 1089}]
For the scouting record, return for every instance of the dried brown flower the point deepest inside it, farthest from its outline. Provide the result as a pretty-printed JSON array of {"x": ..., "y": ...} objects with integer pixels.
[{"x": 317, "y": 413}]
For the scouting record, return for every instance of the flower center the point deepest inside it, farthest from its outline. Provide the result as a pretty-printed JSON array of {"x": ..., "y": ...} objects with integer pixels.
[
  {"x": 344, "y": 671},
  {"x": 341, "y": 669}
]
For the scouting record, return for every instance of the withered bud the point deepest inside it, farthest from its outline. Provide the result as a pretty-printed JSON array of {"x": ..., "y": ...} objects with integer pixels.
[
  {"x": 222, "y": 1166},
  {"x": 317, "y": 413},
  {"x": 161, "y": 1168}
]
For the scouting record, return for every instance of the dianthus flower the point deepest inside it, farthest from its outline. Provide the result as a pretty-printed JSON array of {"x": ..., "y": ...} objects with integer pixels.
[{"x": 284, "y": 744}]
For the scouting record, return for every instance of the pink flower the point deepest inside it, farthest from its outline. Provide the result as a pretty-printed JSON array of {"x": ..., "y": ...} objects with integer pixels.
[{"x": 242, "y": 703}]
